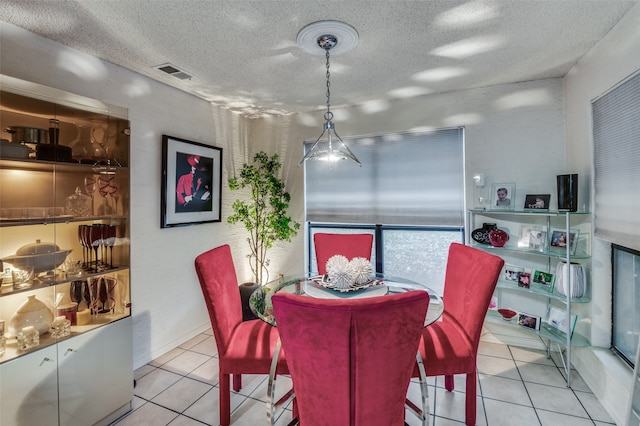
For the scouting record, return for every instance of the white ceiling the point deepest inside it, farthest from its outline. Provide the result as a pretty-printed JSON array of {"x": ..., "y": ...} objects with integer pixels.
[{"x": 243, "y": 54}]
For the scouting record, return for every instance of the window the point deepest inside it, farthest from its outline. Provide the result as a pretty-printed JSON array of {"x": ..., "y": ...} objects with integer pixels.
[
  {"x": 626, "y": 300},
  {"x": 409, "y": 193}
]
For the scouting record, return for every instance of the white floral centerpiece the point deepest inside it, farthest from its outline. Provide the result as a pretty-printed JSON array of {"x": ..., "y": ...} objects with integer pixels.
[{"x": 344, "y": 273}]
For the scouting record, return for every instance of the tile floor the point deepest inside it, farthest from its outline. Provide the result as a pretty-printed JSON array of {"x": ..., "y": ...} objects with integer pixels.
[{"x": 516, "y": 387}]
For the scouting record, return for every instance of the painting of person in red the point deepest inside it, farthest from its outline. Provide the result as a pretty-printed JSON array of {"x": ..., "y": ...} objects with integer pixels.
[{"x": 193, "y": 187}]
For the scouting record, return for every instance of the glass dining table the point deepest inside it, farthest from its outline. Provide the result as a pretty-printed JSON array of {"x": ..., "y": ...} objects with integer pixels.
[{"x": 318, "y": 286}]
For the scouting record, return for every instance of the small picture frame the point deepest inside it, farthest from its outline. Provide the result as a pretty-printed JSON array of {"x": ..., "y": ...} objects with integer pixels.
[
  {"x": 537, "y": 202},
  {"x": 559, "y": 240},
  {"x": 503, "y": 196},
  {"x": 524, "y": 280},
  {"x": 529, "y": 321},
  {"x": 532, "y": 237},
  {"x": 543, "y": 280},
  {"x": 493, "y": 304},
  {"x": 511, "y": 273},
  {"x": 558, "y": 319}
]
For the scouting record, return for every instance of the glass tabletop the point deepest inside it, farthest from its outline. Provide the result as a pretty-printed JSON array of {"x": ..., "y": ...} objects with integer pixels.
[{"x": 317, "y": 286}]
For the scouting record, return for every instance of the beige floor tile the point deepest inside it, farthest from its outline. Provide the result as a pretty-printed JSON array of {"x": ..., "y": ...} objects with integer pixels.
[
  {"x": 155, "y": 382},
  {"x": 143, "y": 371},
  {"x": 494, "y": 349},
  {"x": 148, "y": 414},
  {"x": 531, "y": 355},
  {"x": 162, "y": 359},
  {"x": 594, "y": 407},
  {"x": 543, "y": 374},
  {"x": 548, "y": 418},
  {"x": 182, "y": 394},
  {"x": 501, "y": 413},
  {"x": 503, "y": 389},
  {"x": 185, "y": 363},
  {"x": 551, "y": 398},
  {"x": 206, "y": 347},
  {"x": 207, "y": 408},
  {"x": 451, "y": 405},
  {"x": 184, "y": 421},
  {"x": 207, "y": 372},
  {"x": 193, "y": 341},
  {"x": 497, "y": 367}
]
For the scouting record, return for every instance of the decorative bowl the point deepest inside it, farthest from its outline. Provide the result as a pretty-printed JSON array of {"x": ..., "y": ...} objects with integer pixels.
[
  {"x": 39, "y": 256},
  {"x": 507, "y": 314}
]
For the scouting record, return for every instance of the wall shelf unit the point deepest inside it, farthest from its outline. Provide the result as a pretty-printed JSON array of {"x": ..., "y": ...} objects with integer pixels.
[
  {"x": 75, "y": 261},
  {"x": 542, "y": 299}
]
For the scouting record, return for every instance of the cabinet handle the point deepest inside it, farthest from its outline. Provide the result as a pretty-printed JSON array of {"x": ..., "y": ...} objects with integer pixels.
[
  {"x": 69, "y": 350},
  {"x": 45, "y": 359}
]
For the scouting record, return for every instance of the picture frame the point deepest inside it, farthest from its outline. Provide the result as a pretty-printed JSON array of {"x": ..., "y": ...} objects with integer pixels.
[
  {"x": 529, "y": 321},
  {"x": 543, "y": 280},
  {"x": 537, "y": 202},
  {"x": 557, "y": 319},
  {"x": 503, "y": 196},
  {"x": 191, "y": 182},
  {"x": 532, "y": 237},
  {"x": 558, "y": 242},
  {"x": 511, "y": 273},
  {"x": 524, "y": 280}
]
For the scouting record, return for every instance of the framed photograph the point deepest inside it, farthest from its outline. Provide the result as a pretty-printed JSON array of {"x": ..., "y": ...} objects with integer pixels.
[
  {"x": 503, "y": 196},
  {"x": 543, "y": 280},
  {"x": 537, "y": 201},
  {"x": 559, "y": 240},
  {"x": 511, "y": 273},
  {"x": 558, "y": 320},
  {"x": 532, "y": 237},
  {"x": 524, "y": 280},
  {"x": 529, "y": 321},
  {"x": 191, "y": 182}
]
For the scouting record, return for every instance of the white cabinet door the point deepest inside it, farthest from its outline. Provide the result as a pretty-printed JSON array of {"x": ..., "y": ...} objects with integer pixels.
[
  {"x": 95, "y": 373},
  {"x": 29, "y": 389}
]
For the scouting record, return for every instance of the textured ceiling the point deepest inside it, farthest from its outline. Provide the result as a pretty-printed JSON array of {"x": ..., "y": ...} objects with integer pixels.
[{"x": 243, "y": 54}]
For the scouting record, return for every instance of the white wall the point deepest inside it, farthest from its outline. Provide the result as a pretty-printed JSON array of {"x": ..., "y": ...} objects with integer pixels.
[
  {"x": 167, "y": 301},
  {"x": 612, "y": 60}
]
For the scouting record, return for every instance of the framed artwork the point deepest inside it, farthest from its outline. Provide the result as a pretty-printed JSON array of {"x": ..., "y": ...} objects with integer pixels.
[
  {"x": 558, "y": 320},
  {"x": 511, "y": 273},
  {"x": 503, "y": 196},
  {"x": 537, "y": 201},
  {"x": 559, "y": 240},
  {"x": 529, "y": 321},
  {"x": 543, "y": 280},
  {"x": 191, "y": 182},
  {"x": 524, "y": 280}
]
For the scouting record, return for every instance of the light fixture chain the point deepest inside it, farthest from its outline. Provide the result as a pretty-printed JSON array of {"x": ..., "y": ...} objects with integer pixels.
[{"x": 328, "y": 83}]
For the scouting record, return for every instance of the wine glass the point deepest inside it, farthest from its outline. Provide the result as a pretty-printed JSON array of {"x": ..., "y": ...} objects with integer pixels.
[
  {"x": 95, "y": 232},
  {"x": 84, "y": 247},
  {"x": 90, "y": 189},
  {"x": 76, "y": 289},
  {"x": 110, "y": 285},
  {"x": 106, "y": 188},
  {"x": 111, "y": 241},
  {"x": 86, "y": 238}
]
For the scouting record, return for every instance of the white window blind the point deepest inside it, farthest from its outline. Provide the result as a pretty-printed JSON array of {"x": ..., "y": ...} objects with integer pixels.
[
  {"x": 407, "y": 178},
  {"x": 616, "y": 137}
]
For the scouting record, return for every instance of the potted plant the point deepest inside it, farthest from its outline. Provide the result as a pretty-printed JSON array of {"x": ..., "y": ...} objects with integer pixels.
[{"x": 264, "y": 214}]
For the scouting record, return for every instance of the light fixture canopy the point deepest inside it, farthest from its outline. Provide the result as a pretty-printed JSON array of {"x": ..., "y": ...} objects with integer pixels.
[{"x": 326, "y": 36}]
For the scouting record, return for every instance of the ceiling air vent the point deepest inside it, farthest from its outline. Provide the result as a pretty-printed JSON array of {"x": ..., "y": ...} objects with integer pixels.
[{"x": 174, "y": 71}]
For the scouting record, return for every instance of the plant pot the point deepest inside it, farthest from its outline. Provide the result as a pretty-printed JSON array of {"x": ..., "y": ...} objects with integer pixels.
[{"x": 245, "y": 292}]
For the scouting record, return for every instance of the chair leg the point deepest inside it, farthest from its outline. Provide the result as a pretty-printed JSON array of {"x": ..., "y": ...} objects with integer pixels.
[
  {"x": 470, "y": 402},
  {"x": 448, "y": 382},
  {"x": 225, "y": 400},
  {"x": 237, "y": 382}
]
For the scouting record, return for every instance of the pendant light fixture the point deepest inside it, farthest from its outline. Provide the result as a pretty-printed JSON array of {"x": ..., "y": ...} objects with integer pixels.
[{"x": 327, "y": 35}]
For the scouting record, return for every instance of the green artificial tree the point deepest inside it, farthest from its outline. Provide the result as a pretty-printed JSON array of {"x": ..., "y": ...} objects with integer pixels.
[{"x": 264, "y": 215}]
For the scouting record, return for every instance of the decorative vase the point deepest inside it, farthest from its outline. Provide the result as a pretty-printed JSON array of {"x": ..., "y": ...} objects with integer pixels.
[
  {"x": 481, "y": 235},
  {"x": 498, "y": 237},
  {"x": 576, "y": 272},
  {"x": 245, "y": 292},
  {"x": 32, "y": 313}
]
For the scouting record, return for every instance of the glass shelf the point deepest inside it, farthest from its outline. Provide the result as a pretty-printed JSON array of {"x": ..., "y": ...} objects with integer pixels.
[
  {"x": 504, "y": 285},
  {"x": 546, "y": 331},
  {"x": 559, "y": 254}
]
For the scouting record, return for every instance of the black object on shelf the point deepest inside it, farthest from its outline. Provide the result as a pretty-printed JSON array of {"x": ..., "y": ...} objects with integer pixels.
[{"x": 567, "y": 192}]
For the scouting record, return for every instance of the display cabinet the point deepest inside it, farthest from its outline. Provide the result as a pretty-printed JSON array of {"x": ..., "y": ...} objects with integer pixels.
[
  {"x": 64, "y": 257},
  {"x": 544, "y": 278}
]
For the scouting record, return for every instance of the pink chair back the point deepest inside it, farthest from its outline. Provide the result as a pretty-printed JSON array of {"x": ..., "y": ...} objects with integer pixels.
[
  {"x": 470, "y": 281},
  {"x": 351, "y": 360},
  {"x": 348, "y": 245},
  {"x": 217, "y": 275}
]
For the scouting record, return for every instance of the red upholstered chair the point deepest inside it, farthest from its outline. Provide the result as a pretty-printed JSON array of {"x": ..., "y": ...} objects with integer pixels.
[
  {"x": 351, "y": 360},
  {"x": 243, "y": 347},
  {"x": 348, "y": 245},
  {"x": 450, "y": 346}
]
